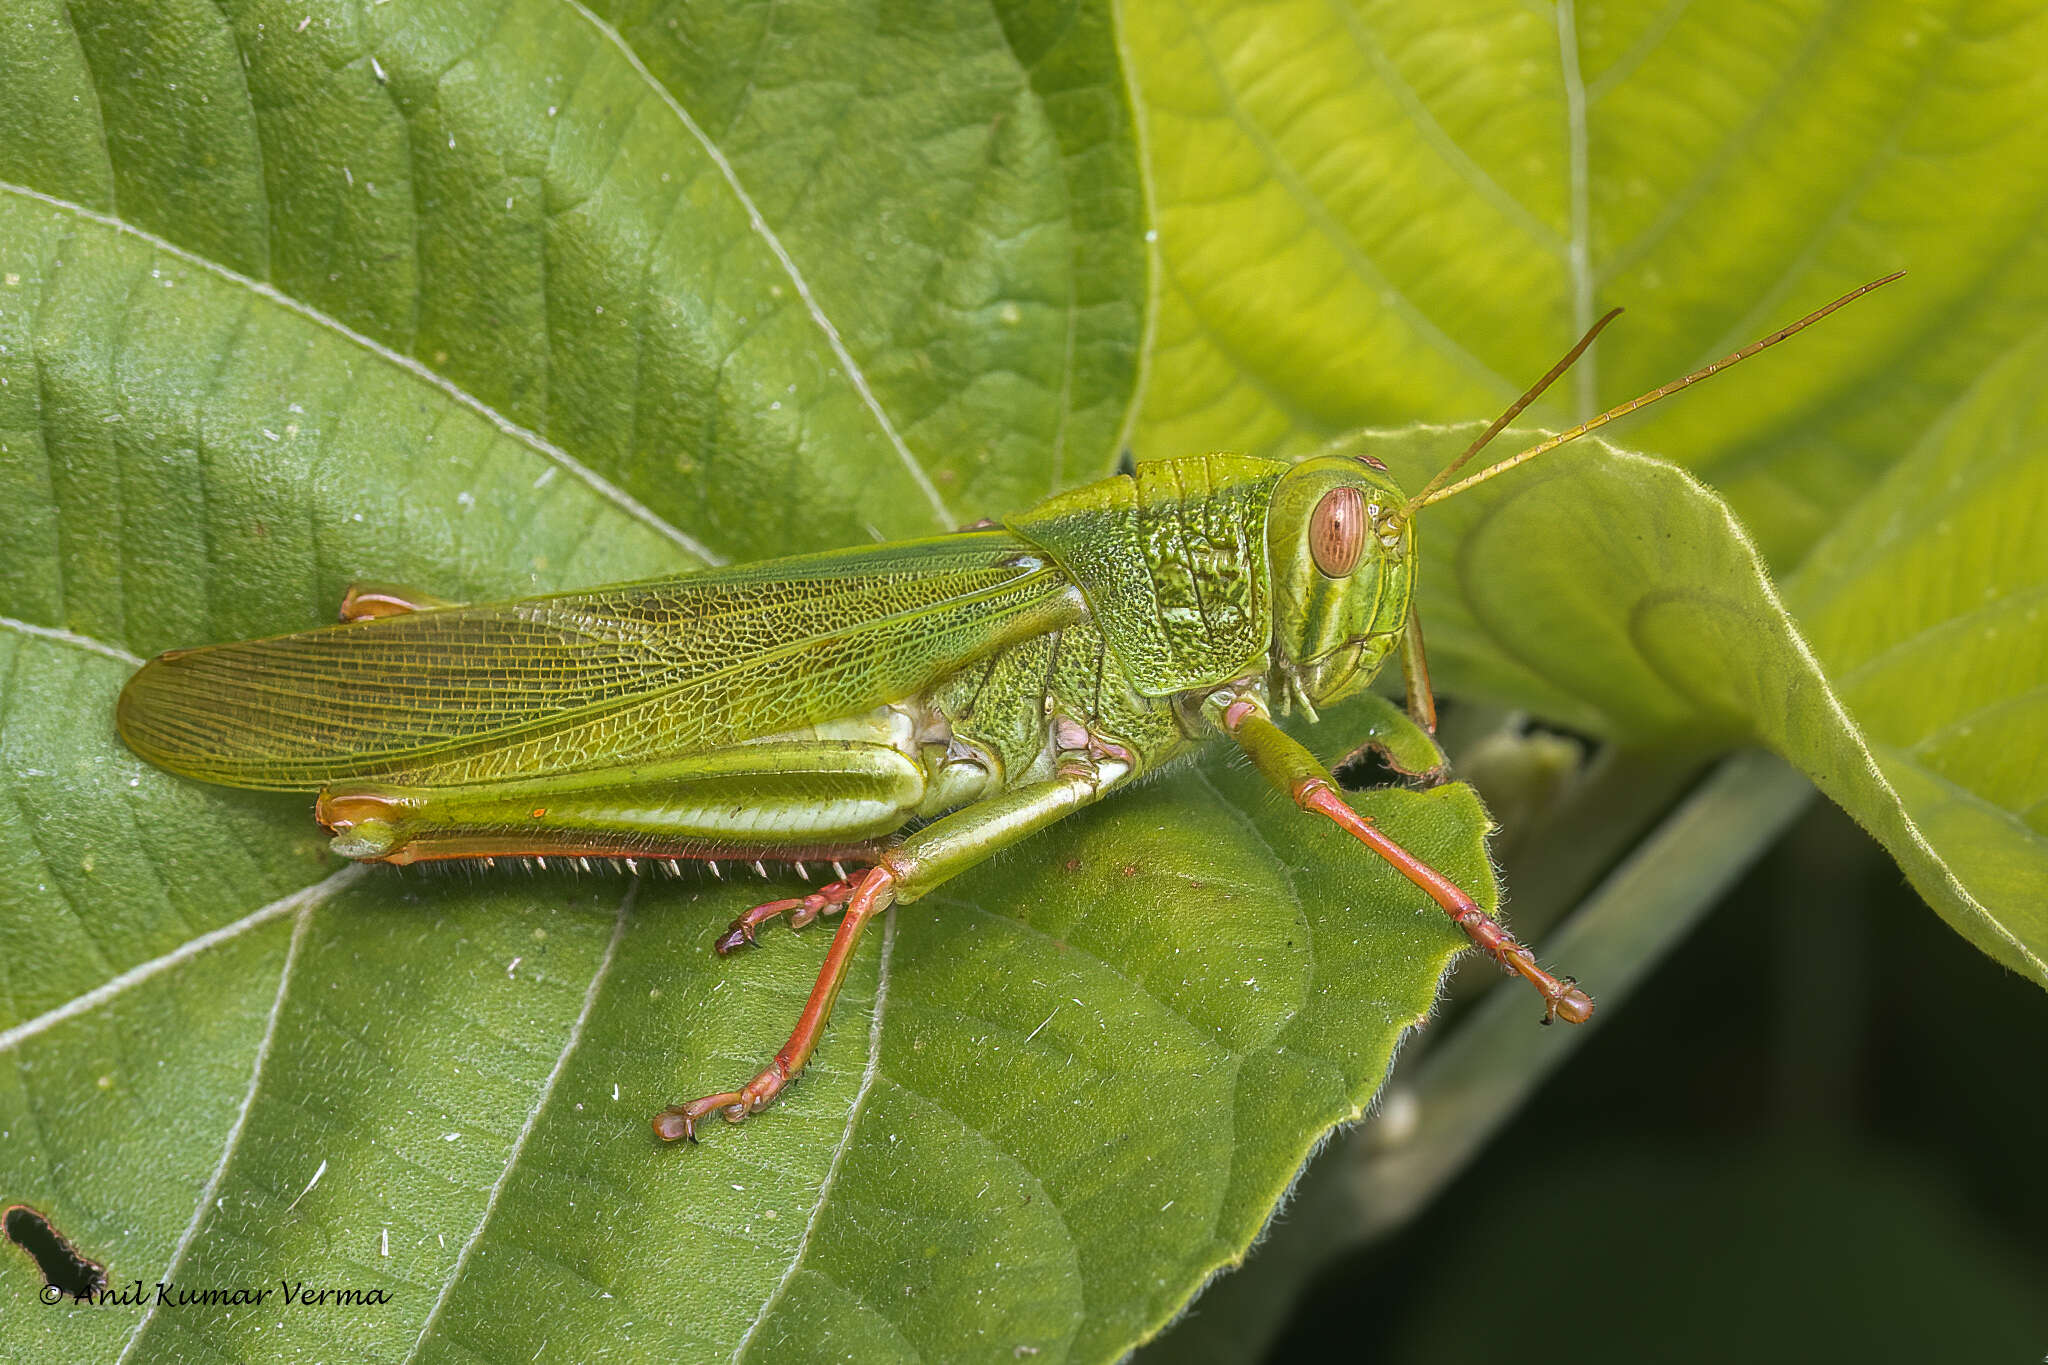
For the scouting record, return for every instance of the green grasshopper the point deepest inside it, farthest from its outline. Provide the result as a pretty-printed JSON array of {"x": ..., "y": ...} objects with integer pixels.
[{"x": 973, "y": 687}]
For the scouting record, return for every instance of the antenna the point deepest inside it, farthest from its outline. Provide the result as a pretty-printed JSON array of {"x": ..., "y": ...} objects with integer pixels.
[
  {"x": 1434, "y": 494},
  {"x": 1515, "y": 409}
]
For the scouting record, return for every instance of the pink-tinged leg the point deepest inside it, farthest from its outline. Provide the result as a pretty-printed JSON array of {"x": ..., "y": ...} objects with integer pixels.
[
  {"x": 826, "y": 900},
  {"x": 873, "y": 892},
  {"x": 932, "y": 856},
  {"x": 1294, "y": 770},
  {"x": 1562, "y": 997},
  {"x": 374, "y": 601},
  {"x": 1415, "y": 674}
]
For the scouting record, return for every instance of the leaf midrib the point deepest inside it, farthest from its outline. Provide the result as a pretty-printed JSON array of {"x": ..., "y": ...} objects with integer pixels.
[{"x": 855, "y": 374}]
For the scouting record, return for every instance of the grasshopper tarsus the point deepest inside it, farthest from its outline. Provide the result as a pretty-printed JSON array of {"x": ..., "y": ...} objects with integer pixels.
[
  {"x": 1574, "y": 1006},
  {"x": 734, "y": 1106},
  {"x": 802, "y": 910},
  {"x": 678, "y": 1122}
]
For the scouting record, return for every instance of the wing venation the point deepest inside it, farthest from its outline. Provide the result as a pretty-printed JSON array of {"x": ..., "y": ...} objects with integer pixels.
[{"x": 603, "y": 677}]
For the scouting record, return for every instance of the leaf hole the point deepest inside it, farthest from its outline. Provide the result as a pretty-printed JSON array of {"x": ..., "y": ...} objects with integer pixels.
[
  {"x": 1368, "y": 768},
  {"x": 1368, "y": 765}
]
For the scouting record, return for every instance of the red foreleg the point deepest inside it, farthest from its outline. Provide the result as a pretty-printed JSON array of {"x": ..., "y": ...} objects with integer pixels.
[{"x": 1562, "y": 997}]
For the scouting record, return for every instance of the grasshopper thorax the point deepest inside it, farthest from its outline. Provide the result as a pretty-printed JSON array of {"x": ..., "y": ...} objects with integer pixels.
[{"x": 1341, "y": 542}]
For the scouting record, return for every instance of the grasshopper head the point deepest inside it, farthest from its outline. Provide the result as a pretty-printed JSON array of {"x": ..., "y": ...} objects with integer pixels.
[
  {"x": 1341, "y": 541},
  {"x": 1341, "y": 538}
]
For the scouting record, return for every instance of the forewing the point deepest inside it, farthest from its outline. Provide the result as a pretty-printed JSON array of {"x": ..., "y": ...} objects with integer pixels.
[{"x": 605, "y": 677}]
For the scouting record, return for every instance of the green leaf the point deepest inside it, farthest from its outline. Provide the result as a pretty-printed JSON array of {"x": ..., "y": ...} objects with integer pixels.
[
  {"x": 1928, "y": 608},
  {"x": 1060, "y": 1095},
  {"x": 500, "y": 299},
  {"x": 780, "y": 278},
  {"x": 1056, "y": 1097},
  {"x": 1616, "y": 591},
  {"x": 1378, "y": 213},
  {"x": 1407, "y": 212}
]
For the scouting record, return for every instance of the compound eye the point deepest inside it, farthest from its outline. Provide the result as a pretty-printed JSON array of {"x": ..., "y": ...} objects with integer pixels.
[{"x": 1336, "y": 531}]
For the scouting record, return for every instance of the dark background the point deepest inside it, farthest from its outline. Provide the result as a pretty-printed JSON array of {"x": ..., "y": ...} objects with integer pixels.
[{"x": 1817, "y": 1132}]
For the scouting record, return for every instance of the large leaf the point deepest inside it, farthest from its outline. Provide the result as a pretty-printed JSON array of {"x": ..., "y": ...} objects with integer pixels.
[
  {"x": 1928, "y": 608},
  {"x": 234, "y": 376},
  {"x": 1617, "y": 592},
  {"x": 1376, "y": 212},
  {"x": 1057, "y": 1096},
  {"x": 493, "y": 300},
  {"x": 697, "y": 246}
]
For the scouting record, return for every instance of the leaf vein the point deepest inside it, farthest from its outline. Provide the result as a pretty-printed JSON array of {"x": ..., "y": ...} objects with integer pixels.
[
  {"x": 1696, "y": 188},
  {"x": 1649, "y": 41},
  {"x": 71, "y": 638},
  {"x": 1204, "y": 1033},
  {"x": 845, "y": 1143},
  {"x": 854, "y": 374},
  {"x": 1964, "y": 721},
  {"x": 1976, "y": 801},
  {"x": 1148, "y": 197},
  {"x": 540, "y": 1103},
  {"x": 1956, "y": 624},
  {"x": 533, "y": 440},
  {"x": 99, "y": 106},
  {"x": 304, "y": 897},
  {"x": 1579, "y": 251},
  {"x": 213, "y": 1183},
  {"x": 1324, "y": 222},
  {"x": 1437, "y": 136}
]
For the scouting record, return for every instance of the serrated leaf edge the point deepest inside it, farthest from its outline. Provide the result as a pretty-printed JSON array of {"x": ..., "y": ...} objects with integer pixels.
[{"x": 1838, "y": 712}]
